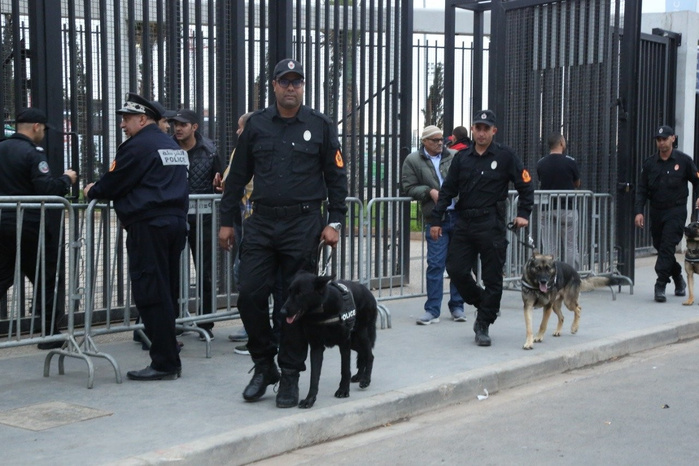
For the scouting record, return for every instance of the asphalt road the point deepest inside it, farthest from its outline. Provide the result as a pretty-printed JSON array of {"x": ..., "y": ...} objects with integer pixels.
[{"x": 638, "y": 410}]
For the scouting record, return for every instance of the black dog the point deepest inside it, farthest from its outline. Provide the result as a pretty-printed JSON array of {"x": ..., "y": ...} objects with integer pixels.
[{"x": 339, "y": 313}]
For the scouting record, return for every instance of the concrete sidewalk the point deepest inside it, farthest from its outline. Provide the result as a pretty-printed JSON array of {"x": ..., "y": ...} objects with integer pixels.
[{"x": 202, "y": 419}]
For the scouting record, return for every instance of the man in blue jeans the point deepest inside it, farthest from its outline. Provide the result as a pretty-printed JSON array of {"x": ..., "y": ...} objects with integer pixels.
[{"x": 423, "y": 173}]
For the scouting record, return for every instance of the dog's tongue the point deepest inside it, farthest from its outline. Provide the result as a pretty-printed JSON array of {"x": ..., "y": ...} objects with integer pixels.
[
  {"x": 291, "y": 319},
  {"x": 543, "y": 287}
]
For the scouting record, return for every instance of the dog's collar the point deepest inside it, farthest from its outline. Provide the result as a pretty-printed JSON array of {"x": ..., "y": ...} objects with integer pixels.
[{"x": 528, "y": 286}]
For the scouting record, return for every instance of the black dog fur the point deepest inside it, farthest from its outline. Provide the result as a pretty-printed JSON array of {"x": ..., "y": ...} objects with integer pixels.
[{"x": 318, "y": 305}]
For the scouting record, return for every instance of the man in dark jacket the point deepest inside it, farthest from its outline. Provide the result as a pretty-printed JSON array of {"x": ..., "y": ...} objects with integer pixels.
[
  {"x": 480, "y": 177},
  {"x": 24, "y": 171},
  {"x": 663, "y": 182},
  {"x": 148, "y": 184},
  {"x": 204, "y": 177},
  {"x": 423, "y": 173},
  {"x": 294, "y": 154}
]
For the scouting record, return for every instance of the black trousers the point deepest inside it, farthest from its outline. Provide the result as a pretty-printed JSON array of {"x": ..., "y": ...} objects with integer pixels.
[
  {"x": 154, "y": 247},
  {"x": 667, "y": 228},
  {"x": 484, "y": 236},
  {"x": 203, "y": 263},
  {"x": 28, "y": 256},
  {"x": 273, "y": 246}
]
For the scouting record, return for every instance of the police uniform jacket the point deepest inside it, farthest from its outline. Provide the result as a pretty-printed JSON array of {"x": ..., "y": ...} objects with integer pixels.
[
  {"x": 204, "y": 163},
  {"x": 482, "y": 181},
  {"x": 294, "y": 160},
  {"x": 24, "y": 171},
  {"x": 664, "y": 182},
  {"x": 148, "y": 178},
  {"x": 419, "y": 177}
]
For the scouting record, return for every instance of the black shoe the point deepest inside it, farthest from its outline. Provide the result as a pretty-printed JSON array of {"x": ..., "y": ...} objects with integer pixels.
[
  {"x": 210, "y": 332},
  {"x": 680, "y": 286},
  {"x": 49, "y": 345},
  {"x": 266, "y": 373},
  {"x": 288, "y": 395},
  {"x": 481, "y": 330},
  {"x": 151, "y": 374},
  {"x": 660, "y": 292}
]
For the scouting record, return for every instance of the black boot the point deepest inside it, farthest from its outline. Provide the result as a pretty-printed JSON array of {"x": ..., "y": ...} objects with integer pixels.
[
  {"x": 288, "y": 395},
  {"x": 660, "y": 292},
  {"x": 266, "y": 373},
  {"x": 481, "y": 329},
  {"x": 680, "y": 285}
]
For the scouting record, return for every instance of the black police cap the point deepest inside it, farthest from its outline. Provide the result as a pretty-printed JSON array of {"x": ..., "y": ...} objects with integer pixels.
[
  {"x": 664, "y": 132},
  {"x": 31, "y": 115},
  {"x": 287, "y": 66},
  {"x": 164, "y": 113},
  {"x": 487, "y": 117},
  {"x": 135, "y": 104}
]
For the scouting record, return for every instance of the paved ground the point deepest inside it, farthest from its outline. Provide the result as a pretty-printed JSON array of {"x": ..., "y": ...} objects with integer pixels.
[{"x": 202, "y": 419}]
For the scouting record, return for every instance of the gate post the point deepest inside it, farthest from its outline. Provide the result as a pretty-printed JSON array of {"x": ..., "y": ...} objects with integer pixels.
[{"x": 628, "y": 119}]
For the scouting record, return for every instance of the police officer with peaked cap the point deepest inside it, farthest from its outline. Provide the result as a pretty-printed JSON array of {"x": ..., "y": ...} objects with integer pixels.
[
  {"x": 663, "y": 182},
  {"x": 148, "y": 184},
  {"x": 294, "y": 154},
  {"x": 24, "y": 171},
  {"x": 480, "y": 177}
]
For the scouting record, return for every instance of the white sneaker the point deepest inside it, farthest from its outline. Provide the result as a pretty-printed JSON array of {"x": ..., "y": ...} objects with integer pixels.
[{"x": 427, "y": 319}]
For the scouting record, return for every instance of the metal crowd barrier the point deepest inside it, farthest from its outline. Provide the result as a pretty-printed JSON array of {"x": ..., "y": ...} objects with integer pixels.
[
  {"x": 374, "y": 250},
  {"x": 27, "y": 296},
  {"x": 115, "y": 291},
  {"x": 591, "y": 249}
]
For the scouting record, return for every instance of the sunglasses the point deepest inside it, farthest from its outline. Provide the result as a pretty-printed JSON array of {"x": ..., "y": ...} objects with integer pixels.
[{"x": 295, "y": 82}]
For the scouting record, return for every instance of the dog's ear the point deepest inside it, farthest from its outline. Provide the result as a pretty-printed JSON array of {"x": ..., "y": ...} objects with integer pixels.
[{"x": 322, "y": 281}]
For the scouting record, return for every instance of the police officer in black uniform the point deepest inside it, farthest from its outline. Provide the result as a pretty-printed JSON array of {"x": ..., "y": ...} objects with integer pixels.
[
  {"x": 663, "y": 181},
  {"x": 480, "y": 176},
  {"x": 294, "y": 154},
  {"x": 24, "y": 171},
  {"x": 148, "y": 184}
]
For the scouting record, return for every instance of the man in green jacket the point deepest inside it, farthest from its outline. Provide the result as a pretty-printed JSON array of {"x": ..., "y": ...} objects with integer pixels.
[{"x": 423, "y": 173}]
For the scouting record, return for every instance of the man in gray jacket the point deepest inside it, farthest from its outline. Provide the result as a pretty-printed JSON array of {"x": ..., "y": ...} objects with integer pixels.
[{"x": 423, "y": 173}]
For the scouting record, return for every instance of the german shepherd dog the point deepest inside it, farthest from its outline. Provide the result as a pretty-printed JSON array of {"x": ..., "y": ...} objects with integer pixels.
[
  {"x": 547, "y": 283},
  {"x": 341, "y": 313},
  {"x": 691, "y": 258}
]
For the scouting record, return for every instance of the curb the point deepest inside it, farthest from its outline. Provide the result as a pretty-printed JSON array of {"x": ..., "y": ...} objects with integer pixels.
[{"x": 245, "y": 445}]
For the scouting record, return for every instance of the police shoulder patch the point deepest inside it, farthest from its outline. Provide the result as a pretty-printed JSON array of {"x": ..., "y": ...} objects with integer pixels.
[
  {"x": 526, "y": 177},
  {"x": 338, "y": 159},
  {"x": 39, "y": 149},
  {"x": 43, "y": 167}
]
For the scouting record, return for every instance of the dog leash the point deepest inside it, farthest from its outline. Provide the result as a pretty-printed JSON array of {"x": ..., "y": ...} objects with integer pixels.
[
  {"x": 530, "y": 241},
  {"x": 322, "y": 247}
]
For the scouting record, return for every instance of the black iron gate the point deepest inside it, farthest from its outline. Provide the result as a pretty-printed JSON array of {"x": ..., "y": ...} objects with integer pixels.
[{"x": 76, "y": 59}]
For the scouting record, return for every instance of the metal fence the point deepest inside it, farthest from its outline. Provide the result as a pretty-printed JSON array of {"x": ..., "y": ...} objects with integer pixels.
[{"x": 98, "y": 294}]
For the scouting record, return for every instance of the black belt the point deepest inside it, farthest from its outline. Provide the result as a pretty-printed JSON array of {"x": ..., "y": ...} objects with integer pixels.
[
  {"x": 285, "y": 210},
  {"x": 668, "y": 205},
  {"x": 473, "y": 213}
]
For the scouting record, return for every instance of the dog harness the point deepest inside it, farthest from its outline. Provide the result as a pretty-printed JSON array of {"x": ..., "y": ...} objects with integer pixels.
[
  {"x": 348, "y": 314},
  {"x": 692, "y": 255}
]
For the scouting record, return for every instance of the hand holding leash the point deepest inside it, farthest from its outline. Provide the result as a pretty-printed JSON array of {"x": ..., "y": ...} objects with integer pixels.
[{"x": 514, "y": 227}]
